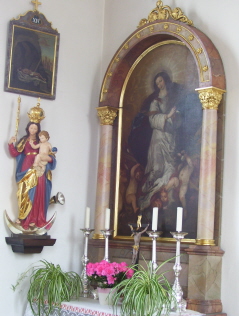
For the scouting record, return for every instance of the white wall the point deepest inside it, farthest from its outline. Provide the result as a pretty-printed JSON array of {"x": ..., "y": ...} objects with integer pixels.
[
  {"x": 72, "y": 122},
  {"x": 219, "y": 21},
  {"x": 73, "y": 126}
]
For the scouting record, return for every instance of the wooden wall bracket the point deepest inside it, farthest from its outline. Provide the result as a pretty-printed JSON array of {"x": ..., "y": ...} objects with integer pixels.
[{"x": 29, "y": 243}]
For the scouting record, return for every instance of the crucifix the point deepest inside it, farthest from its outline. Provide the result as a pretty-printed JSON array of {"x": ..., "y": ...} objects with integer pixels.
[{"x": 36, "y": 3}]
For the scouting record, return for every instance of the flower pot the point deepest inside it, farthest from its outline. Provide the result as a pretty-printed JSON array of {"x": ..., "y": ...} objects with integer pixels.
[{"x": 105, "y": 296}]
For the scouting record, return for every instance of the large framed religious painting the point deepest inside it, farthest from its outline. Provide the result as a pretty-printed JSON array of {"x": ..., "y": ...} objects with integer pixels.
[
  {"x": 161, "y": 146},
  {"x": 32, "y": 56},
  {"x": 160, "y": 140}
]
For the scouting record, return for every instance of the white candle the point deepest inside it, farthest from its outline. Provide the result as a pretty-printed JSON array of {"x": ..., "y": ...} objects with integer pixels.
[
  {"x": 179, "y": 219},
  {"x": 107, "y": 219},
  {"x": 87, "y": 217},
  {"x": 155, "y": 219}
]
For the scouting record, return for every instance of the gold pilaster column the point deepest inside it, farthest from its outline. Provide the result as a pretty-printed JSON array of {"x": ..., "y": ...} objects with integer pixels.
[
  {"x": 210, "y": 98},
  {"x": 107, "y": 116}
]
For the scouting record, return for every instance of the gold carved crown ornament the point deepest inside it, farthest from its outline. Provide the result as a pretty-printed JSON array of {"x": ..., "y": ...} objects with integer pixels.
[
  {"x": 162, "y": 12},
  {"x": 36, "y": 114}
]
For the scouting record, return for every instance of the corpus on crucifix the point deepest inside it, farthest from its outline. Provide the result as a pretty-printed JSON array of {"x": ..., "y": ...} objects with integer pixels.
[{"x": 36, "y": 4}]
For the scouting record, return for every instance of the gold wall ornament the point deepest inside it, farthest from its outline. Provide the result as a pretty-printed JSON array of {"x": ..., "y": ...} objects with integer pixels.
[
  {"x": 36, "y": 114},
  {"x": 210, "y": 97},
  {"x": 162, "y": 12},
  {"x": 107, "y": 115},
  {"x": 36, "y": 4}
]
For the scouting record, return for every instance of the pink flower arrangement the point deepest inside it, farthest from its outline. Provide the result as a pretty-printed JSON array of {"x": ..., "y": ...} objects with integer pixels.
[{"x": 108, "y": 274}]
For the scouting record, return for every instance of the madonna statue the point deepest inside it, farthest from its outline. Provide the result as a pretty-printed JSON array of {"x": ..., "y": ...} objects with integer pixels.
[{"x": 34, "y": 190}]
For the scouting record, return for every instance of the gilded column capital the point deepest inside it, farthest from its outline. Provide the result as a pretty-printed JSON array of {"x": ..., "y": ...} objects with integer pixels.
[
  {"x": 210, "y": 97},
  {"x": 107, "y": 114}
]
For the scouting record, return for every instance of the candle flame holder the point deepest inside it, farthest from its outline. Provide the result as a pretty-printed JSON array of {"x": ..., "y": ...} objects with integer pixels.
[
  {"x": 107, "y": 233},
  {"x": 154, "y": 235},
  {"x": 177, "y": 290},
  {"x": 85, "y": 260}
]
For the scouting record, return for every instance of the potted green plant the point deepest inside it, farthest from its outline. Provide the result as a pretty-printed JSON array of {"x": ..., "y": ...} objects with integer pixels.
[
  {"x": 147, "y": 293},
  {"x": 50, "y": 285}
]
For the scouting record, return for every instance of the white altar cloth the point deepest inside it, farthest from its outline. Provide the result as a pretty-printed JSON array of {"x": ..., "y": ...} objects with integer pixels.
[{"x": 90, "y": 307}]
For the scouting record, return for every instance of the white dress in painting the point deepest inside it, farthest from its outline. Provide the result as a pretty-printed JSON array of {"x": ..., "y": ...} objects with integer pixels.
[{"x": 161, "y": 153}]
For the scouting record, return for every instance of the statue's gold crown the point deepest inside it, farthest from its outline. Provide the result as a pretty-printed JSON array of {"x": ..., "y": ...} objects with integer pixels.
[{"x": 36, "y": 114}]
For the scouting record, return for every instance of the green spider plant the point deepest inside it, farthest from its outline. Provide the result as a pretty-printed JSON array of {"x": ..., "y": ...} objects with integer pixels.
[
  {"x": 147, "y": 293},
  {"x": 50, "y": 285}
]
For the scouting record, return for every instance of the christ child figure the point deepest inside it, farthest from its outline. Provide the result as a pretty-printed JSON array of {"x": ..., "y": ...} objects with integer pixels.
[{"x": 44, "y": 150}]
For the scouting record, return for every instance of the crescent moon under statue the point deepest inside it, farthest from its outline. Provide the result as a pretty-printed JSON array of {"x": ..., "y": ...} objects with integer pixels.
[{"x": 17, "y": 229}]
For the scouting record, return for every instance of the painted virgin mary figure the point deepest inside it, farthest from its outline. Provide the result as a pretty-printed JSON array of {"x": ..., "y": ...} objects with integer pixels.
[{"x": 161, "y": 123}]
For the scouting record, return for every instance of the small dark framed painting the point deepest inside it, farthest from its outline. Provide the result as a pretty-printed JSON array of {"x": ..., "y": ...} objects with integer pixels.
[{"x": 32, "y": 56}]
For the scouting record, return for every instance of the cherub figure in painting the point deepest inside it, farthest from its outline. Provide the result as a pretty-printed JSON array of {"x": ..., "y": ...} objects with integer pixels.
[{"x": 160, "y": 199}]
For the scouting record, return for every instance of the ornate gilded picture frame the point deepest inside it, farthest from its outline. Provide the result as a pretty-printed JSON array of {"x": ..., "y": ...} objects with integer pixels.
[
  {"x": 162, "y": 117},
  {"x": 159, "y": 157},
  {"x": 32, "y": 56}
]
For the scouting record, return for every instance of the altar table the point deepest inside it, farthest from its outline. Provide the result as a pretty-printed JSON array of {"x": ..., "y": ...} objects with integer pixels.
[{"x": 90, "y": 307}]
